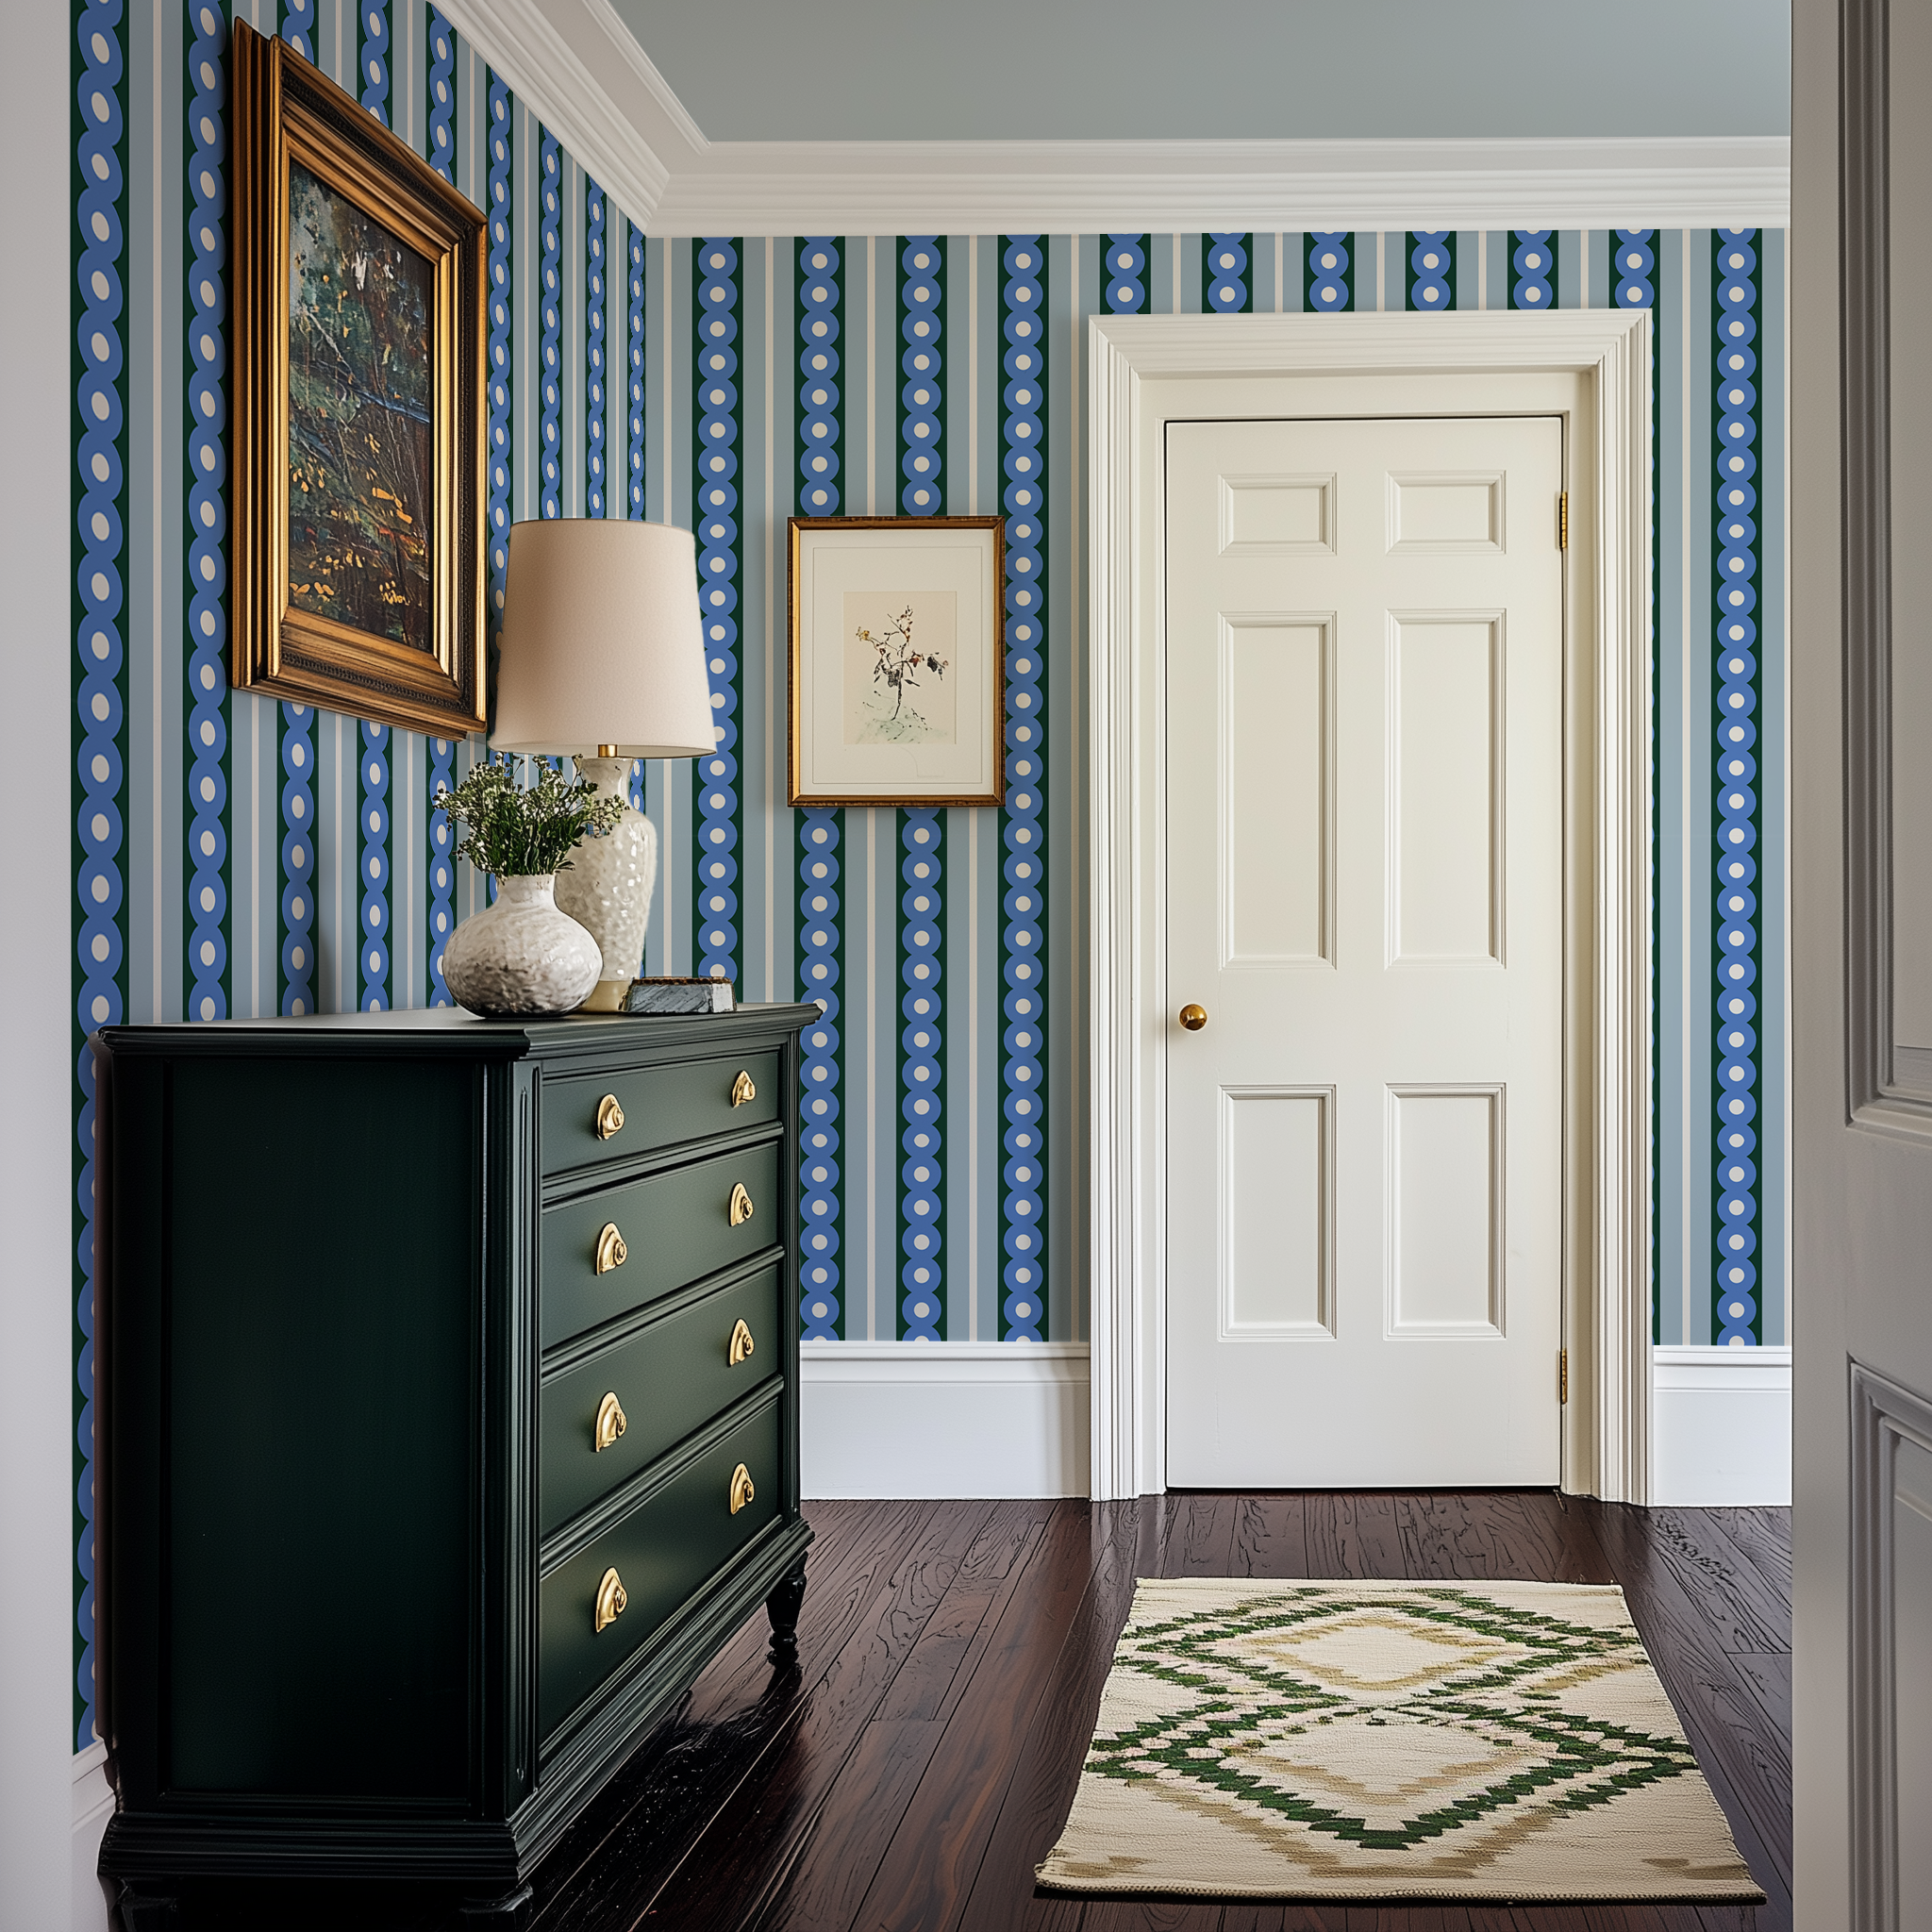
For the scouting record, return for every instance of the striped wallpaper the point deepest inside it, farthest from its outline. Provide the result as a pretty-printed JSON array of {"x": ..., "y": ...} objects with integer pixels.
[{"x": 237, "y": 856}]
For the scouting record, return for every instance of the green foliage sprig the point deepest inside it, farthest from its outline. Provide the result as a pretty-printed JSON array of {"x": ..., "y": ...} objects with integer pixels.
[{"x": 514, "y": 831}]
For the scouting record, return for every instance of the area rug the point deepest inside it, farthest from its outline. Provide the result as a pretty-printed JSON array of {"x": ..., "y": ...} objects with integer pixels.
[{"x": 1370, "y": 1741}]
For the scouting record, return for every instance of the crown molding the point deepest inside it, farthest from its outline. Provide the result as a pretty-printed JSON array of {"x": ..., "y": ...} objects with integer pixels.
[
  {"x": 552, "y": 56},
  {"x": 1077, "y": 187},
  {"x": 575, "y": 64}
]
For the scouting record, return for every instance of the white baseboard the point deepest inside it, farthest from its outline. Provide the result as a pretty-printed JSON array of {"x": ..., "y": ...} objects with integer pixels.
[
  {"x": 1720, "y": 1426},
  {"x": 94, "y": 1805},
  {"x": 945, "y": 1419}
]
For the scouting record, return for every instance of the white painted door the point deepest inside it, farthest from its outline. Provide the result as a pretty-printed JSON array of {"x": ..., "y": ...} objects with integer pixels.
[
  {"x": 1861, "y": 934},
  {"x": 1364, "y": 891}
]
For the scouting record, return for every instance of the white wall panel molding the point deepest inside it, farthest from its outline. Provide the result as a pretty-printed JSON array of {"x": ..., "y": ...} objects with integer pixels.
[
  {"x": 946, "y": 1419},
  {"x": 1720, "y": 1426},
  {"x": 574, "y": 64}
]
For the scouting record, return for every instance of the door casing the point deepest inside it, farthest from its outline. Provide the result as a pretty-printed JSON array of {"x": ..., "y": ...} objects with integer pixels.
[{"x": 1593, "y": 367}]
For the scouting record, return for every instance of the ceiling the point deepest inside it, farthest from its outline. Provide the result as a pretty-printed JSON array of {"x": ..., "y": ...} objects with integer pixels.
[{"x": 1111, "y": 69}]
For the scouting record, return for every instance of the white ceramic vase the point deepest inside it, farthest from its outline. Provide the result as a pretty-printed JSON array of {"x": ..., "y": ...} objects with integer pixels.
[
  {"x": 607, "y": 886},
  {"x": 521, "y": 956}
]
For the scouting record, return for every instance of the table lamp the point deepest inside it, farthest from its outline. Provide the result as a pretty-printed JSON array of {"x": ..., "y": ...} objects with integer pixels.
[{"x": 603, "y": 660}]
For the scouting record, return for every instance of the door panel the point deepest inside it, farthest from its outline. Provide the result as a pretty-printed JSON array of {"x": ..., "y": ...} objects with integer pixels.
[{"x": 1364, "y": 648}]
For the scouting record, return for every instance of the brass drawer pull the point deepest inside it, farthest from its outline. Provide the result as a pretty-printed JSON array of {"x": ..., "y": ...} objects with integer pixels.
[
  {"x": 741, "y": 1490},
  {"x": 611, "y": 1421},
  {"x": 611, "y": 1601},
  {"x": 740, "y": 1210},
  {"x": 742, "y": 1344},
  {"x": 610, "y": 1117},
  {"x": 611, "y": 1251},
  {"x": 742, "y": 1089}
]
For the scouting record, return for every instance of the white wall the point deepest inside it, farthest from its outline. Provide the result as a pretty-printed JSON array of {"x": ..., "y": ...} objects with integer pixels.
[{"x": 36, "y": 1430}]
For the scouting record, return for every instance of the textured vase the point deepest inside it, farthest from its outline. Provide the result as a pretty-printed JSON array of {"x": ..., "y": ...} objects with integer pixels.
[
  {"x": 521, "y": 956},
  {"x": 607, "y": 888}
]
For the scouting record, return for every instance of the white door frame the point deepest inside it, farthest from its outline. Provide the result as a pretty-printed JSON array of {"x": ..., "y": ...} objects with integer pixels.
[{"x": 1138, "y": 367}]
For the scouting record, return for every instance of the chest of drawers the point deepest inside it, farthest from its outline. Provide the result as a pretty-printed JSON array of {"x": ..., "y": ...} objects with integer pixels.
[{"x": 450, "y": 1415}]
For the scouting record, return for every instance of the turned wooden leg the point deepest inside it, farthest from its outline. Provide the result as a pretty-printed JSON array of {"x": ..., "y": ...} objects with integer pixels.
[
  {"x": 141, "y": 1908},
  {"x": 509, "y": 1914},
  {"x": 784, "y": 1604}
]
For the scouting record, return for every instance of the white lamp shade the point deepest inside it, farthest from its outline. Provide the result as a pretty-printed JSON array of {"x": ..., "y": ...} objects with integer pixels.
[{"x": 602, "y": 642}]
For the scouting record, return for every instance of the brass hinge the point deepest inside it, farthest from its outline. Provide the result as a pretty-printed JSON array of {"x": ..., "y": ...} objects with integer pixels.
[
  {"x": 1562, "y": 1375},
  {"x": 1563, "y": 519}
]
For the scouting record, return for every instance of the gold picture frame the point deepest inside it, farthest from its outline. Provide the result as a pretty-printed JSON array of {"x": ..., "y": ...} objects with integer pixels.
[
  {"x": 356, "y": 575},
  {"x": 897, "y": 660}
]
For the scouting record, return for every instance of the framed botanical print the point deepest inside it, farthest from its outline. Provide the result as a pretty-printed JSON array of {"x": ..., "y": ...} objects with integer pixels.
[
  {"x": 356, "y": 579},
  {"x": 898, "y": 662}
]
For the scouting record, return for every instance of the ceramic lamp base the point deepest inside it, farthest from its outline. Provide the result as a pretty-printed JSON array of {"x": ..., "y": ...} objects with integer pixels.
[{"x": 607, "y": 887}]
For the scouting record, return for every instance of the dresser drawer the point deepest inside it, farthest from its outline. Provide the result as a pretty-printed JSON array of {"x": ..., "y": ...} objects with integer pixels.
[
  {"x": 660, "y": 1382},
  {"x": 671, "y": 1228},
  {"x": 657, "y": 1108},
  {"x": 661, "y": 1553}
]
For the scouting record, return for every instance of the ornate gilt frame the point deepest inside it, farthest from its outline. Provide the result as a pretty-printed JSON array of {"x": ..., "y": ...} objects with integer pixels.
[{"x": 285, "y": 110}]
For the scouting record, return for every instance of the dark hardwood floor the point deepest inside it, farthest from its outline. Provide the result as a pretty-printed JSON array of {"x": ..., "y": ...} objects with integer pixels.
[{"x": 912, "y": 1774}]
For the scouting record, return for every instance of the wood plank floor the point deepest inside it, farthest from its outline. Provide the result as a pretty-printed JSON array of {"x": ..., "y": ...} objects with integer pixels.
[{"x": 910, "y": 1774}]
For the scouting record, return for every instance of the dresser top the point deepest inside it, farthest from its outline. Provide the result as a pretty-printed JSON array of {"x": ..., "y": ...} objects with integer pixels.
[{"x": 448, "y": 1030}]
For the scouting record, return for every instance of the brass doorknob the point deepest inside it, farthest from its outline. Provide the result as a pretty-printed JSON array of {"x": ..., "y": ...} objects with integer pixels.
[{"x": 1194, "y": 1017}]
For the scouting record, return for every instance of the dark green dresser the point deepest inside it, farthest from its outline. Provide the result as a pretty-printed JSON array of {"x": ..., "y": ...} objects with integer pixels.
[{"x": 450, "y": 1372}]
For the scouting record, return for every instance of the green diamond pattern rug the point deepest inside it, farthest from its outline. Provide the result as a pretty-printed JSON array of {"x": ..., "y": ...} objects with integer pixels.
[{"x": 1366, "y": 1741}]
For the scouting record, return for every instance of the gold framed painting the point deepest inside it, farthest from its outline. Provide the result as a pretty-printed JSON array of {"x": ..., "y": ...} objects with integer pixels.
[
  {"x": 356, "y": 579},
  {"x": 898, "y": 660}
]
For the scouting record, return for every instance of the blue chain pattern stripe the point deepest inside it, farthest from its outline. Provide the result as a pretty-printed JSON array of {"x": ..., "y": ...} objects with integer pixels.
[
  {"x": 1735, "y": 277},
  {"x": 1023, "y": 960},
  {"x": 1329, "y": 289},
  {"x": 821, "y": 402},
  {"x": 1532, "y": 268},
  {"x": 499, "y": 495},
  {"x": 714, "y": 275},
  {"x": 635, "y": 311},
  {"x": 1126, "y": 273},
  {"x": 820, "y": 830},
  {"x": 1431, "y": 269},
  {"x": 635, "y": 501},
  {"x": 550, "y": 336},
  {"x": 922, "y": 1077},
  {"x": 922, "y": 287},
  {"x": 441, "y": 760},
  {"x": 499, "y": 344},
  {"x": 1224, "y": 273},
  {"x": 298, "y": 859},
  {"x": 1633, "y": 264},
  {"x": 296, "y": 728},
  {"x": 372, "y": 966},
  {"x": 373, "y": 959},
  {"x": 207, "y": 568},
  {"x": 922, "y": 834},
  {"x": 442, "y": 96},
  {"x": 298, "y": 26},
  {"x": 373, "y": 60},
  {"x": 821, "y": 946},
  {"x": 99, "y": 486},
  {"x": 594, "y": 349},
  {"x": 1634, "y": 260}
]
